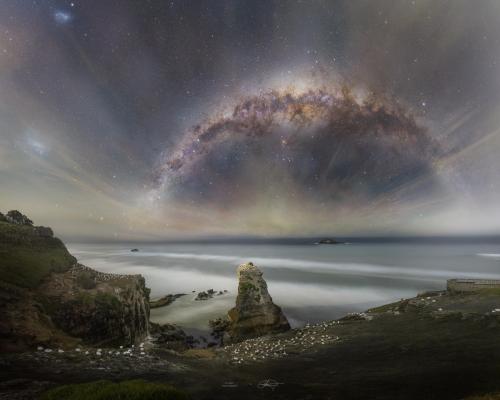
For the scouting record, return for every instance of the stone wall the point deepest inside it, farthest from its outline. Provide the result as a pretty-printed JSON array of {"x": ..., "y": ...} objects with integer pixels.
[{"x": 471, "y": 285}]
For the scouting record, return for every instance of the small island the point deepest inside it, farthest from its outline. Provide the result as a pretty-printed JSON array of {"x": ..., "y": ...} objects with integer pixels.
[{"x": 328, "y": 241}]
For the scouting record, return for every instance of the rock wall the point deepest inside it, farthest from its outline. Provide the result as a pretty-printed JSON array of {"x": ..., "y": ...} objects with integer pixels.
[
  {"x": 99, "y": 308},
  {"x": 46, "y": 297},
  {"x": 255, "y": 314},
  {"x": 471, "y": 285}
]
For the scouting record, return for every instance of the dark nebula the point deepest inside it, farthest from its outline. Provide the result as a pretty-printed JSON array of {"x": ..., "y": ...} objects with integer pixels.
[{"x": 326, "y": 145}]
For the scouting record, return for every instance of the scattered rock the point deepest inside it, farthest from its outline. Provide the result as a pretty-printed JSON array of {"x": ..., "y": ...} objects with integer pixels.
[
  {"x": 210, "y": 293},
  {"x": 203, "y": 296}
]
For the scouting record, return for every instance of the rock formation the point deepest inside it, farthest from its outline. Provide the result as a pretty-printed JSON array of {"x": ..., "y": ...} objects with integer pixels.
[
  {"x": 100, "y": 308},
  {"x": 328, "y": 241},
  {"x": 15, "y": 217},
  {"x": 165, "y": 300},
  {"x": 255, "y": 314},
  {"x": 170, "y": 336},
  {"x": 47, "y": 298}
]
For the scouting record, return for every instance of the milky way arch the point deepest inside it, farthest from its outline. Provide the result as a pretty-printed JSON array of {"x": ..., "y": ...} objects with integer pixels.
[{"x": 323, "y": 144}]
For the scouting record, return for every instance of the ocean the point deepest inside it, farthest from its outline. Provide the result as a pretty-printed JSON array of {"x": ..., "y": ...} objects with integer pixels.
[{"x": 310, "y": 282}]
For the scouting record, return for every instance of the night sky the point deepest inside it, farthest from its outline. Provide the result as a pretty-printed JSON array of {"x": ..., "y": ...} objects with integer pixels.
[{"x": 166, "y": 119}]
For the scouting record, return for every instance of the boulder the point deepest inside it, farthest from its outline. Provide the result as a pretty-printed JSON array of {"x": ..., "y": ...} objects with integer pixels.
[
  {"x": 171, "y": 337},
  {"x": 255, "y": 314},
  {"x": 219, "y": 328},
  {"x": 203, "y": 296}
]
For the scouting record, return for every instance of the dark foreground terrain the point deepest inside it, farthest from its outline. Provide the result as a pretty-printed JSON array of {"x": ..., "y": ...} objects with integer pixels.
[
  {"x": 435, "y": 346},
  {"x": 62, "y": 323}
]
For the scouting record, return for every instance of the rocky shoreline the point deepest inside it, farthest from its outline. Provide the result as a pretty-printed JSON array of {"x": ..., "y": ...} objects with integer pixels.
[
  {"x": 75, "y": 324},
  {"x": 429, "y": 330}
]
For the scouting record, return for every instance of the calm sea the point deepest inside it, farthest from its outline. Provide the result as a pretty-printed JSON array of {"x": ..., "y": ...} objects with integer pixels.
[{"x": 310, "y": 282}]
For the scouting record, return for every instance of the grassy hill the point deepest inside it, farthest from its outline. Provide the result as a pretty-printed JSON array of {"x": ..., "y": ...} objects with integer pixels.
[{"x": 27, "y": 255}]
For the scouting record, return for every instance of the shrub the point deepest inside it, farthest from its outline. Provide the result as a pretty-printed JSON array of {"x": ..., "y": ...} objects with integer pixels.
[{"x": 86, "y": 280}]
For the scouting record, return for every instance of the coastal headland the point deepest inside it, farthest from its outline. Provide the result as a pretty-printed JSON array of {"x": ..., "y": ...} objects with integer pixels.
[{"x": 436, "y": 345}]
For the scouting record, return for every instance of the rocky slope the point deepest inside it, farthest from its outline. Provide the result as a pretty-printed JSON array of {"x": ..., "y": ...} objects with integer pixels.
[
  {"x": 255, "y": 314},
  {"x": 47, "y": 298},
  {"x": 438, "y": 345}
]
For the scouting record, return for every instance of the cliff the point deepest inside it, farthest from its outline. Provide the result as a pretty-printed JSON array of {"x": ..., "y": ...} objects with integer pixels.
[
  {"x": 46, "y": 297},
  {"x": 255, "y": 314}
]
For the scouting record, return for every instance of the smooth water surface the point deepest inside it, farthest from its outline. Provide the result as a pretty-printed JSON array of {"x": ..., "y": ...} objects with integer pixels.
[{"x": 310, "y": 282}]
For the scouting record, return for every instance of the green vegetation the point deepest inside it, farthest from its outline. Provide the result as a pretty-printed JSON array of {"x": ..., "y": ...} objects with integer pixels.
[
  {"x": 26, "y": 258},
  {"x": 385, "y": 307},
  {"x": 247, "y": 286},
  {"x": 86, "y": 280},
  {"x": 105, "y": 390},
  {"x": 107, "y": 301},
  {"x": 490, "y": 291}
]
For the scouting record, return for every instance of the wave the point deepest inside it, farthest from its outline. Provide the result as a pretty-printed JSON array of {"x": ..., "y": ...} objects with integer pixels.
[
  {"x": 489, "y": 255},
  {"x": 345, "y": 268}
]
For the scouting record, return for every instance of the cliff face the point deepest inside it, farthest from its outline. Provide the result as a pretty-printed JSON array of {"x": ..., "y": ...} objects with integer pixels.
[
  {"x": 255, "y": 314},
  {"x": 101, "y": 308},
  {"x": 46, "y": 297}
]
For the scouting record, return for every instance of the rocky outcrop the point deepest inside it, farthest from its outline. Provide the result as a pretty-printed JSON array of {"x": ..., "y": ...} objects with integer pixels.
[
  {"x": 99, "y": 308},
  {"x": 165, "y": 300},
  {"x": 210, "y": 293},
  {"x": 47, "y": 298},
  {"x": 255, "y": 314},
  {"x": 170, "y": 336},
  {"x": 15, "y": 217}
]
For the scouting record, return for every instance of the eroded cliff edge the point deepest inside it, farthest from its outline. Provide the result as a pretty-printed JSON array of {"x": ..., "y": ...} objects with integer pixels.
[{"x": 47, "y": 298}]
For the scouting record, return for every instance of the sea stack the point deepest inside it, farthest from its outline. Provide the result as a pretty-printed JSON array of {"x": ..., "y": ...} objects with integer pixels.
[{"x": 255, "y": 314}]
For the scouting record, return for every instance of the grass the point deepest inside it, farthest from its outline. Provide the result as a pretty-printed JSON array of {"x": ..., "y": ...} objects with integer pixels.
[
  {"x": 106, "y": 390},
  {"x": 199, "y": 353},
  {"x": 26, "y": 258},
  {"x": 490, "y": 291},
  {"x": 385, "y": 307},
  {"x": 86, "y": 280}
]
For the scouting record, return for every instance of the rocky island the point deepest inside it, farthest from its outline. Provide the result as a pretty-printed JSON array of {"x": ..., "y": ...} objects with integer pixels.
[
  {"x": 255, "y": 314},
  {"x": 328, "y": 241}
]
